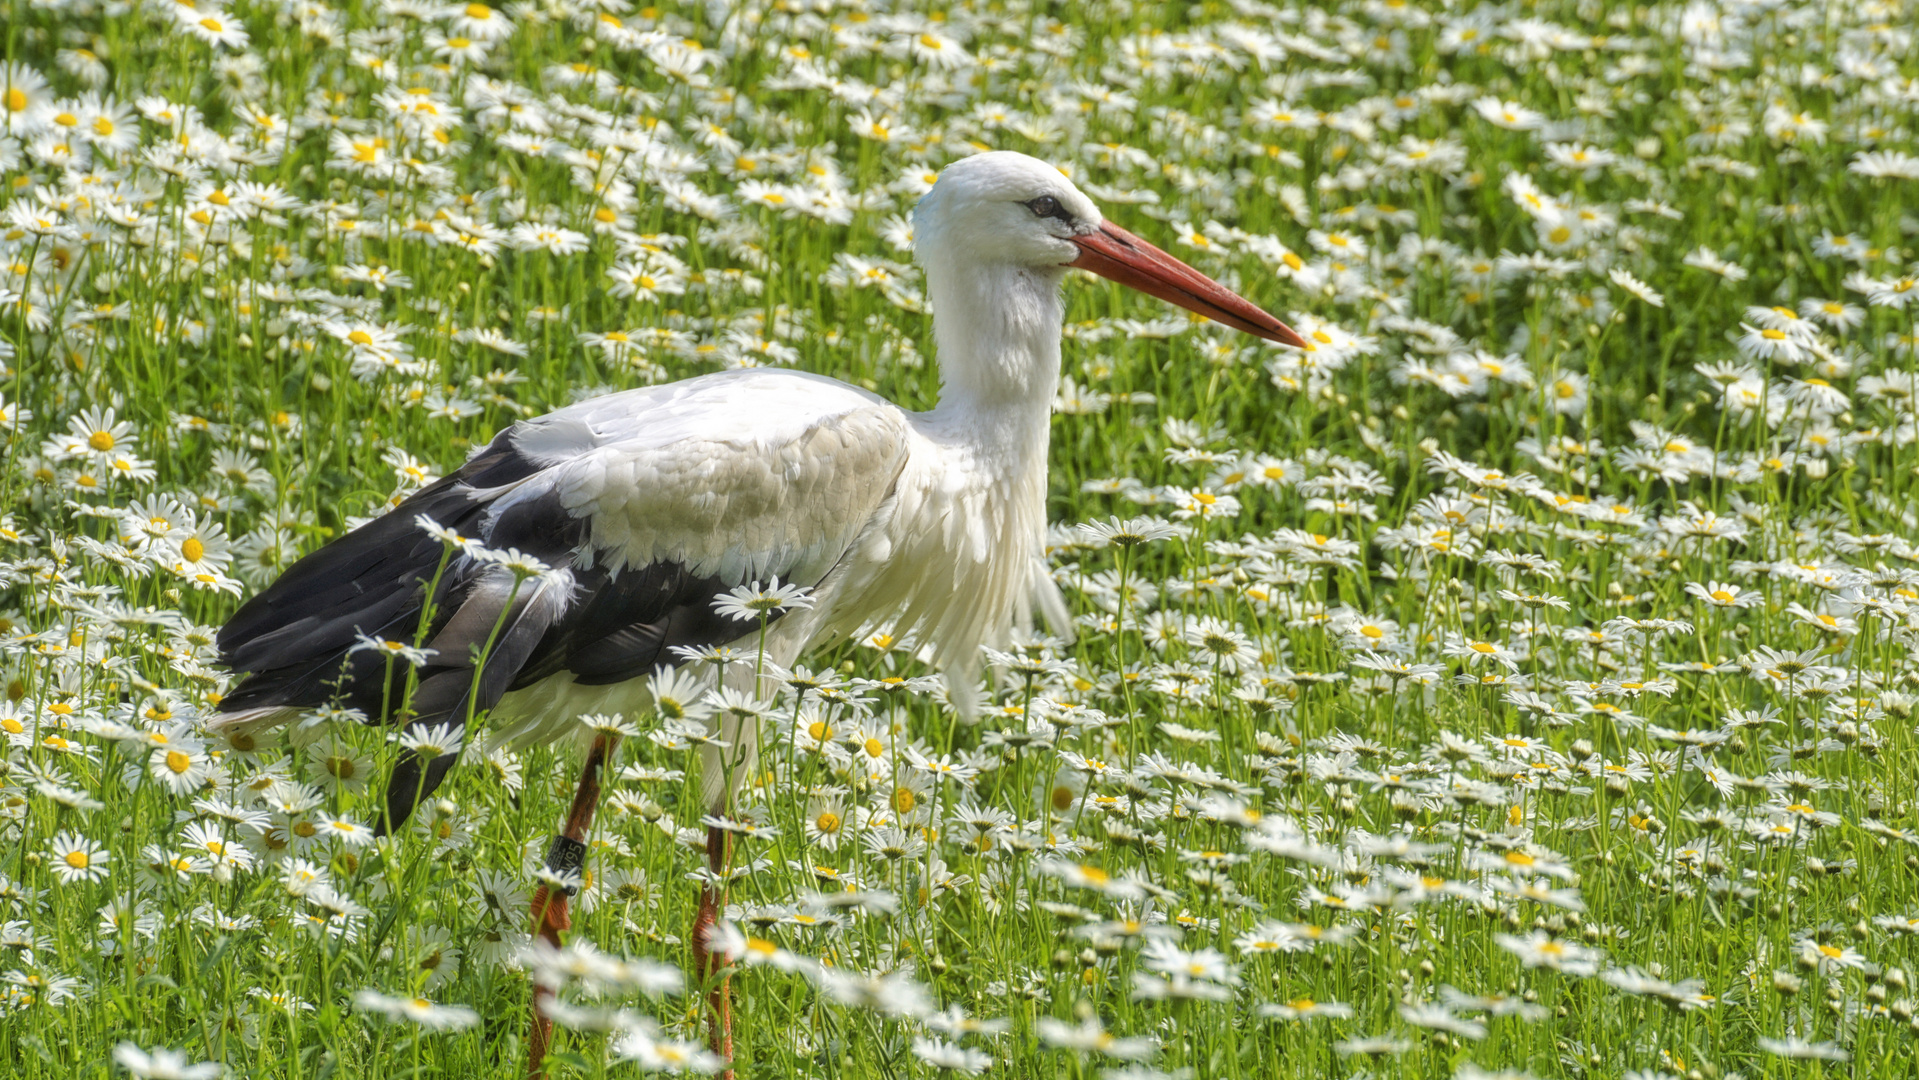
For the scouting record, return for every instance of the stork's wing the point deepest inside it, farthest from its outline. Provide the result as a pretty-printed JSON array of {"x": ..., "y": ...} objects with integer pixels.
[{"x": 650, "y": 503}]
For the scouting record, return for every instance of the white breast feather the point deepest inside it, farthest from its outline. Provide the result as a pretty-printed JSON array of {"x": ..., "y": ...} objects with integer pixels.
[{"x": 955, "y": 559}]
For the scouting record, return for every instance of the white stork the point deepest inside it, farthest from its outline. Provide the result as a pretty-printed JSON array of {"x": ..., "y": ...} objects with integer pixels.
[{"x": 652, "y": 503}]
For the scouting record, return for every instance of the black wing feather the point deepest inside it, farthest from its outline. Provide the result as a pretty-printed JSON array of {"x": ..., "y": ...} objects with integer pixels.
[
  {"x": 294, "y": 641},
  {"x": 320, "y": 601},
  {"x": 628, "y": 624}
]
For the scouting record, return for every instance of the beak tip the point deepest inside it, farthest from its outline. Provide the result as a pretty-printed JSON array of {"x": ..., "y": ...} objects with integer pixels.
[{"x": 1289, "y": 337}]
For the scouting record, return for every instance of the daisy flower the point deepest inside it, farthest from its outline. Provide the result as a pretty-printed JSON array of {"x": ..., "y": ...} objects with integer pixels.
[
  {"x": 78, "y": 859},
  {"x": 214, "y": 27},
  {"x": 1625, "y": 280},
  {"x": 418, "y": 1010}
]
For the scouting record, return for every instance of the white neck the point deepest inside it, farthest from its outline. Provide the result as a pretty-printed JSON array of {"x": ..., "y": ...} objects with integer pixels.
[{"x": 997, "y": 328}]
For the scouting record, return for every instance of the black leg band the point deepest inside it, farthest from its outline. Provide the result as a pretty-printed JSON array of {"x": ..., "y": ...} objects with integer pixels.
[{"x": 566, "y": 860}]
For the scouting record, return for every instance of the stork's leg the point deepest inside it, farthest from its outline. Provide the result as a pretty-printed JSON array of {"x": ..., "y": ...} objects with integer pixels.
[
  {"x": 705, "y": 963},
  {"x": 567, "y": 856}
]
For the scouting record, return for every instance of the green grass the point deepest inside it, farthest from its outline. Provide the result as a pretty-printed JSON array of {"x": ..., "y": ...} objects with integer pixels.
[{"x": 1734, "y": 846}]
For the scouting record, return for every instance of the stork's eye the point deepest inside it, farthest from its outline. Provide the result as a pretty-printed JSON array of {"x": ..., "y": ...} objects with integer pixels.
[{"x": 1047, "y": 206}]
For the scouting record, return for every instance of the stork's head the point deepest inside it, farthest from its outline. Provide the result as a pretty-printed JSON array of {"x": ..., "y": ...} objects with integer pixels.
[{"x": 1006, "y": 209}]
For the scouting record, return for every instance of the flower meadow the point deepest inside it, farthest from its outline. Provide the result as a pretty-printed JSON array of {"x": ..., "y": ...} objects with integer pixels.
[{"x": 1520, "y": 682}]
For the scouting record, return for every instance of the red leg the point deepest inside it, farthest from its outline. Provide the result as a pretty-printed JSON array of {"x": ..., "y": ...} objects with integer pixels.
[
  {"x": 705, "y": 962},
  {"x": 549, "y": 918},
  {"x": 550, "y": 914}
]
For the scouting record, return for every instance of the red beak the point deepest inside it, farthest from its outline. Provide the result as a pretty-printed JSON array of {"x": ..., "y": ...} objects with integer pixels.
[{"x": 1114, "y": 253}]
